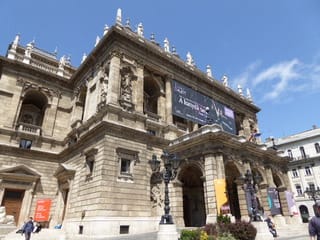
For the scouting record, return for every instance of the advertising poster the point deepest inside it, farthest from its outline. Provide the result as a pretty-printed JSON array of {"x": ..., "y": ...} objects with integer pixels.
[
  {"x": 42, "y": 210},
  {"x": 221, "y": 196},
  {"x": 274, "y": 201},
  {"x": 291, "y": 203},
  {"x": 190, "y": 104}
]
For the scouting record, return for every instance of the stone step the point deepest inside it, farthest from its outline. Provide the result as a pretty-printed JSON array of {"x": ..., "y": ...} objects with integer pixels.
[{"x": 47, "y": 234}]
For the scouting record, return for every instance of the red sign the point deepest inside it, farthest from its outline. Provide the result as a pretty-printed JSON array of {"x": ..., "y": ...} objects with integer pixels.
[{"x": 42, "y": 210}]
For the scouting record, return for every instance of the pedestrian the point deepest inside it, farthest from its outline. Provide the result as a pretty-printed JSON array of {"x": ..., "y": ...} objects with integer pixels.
[
  {"x": 271, "y": 226},
  {"x": 314, "y": 223},
  {"x": 28, "y": 229}
]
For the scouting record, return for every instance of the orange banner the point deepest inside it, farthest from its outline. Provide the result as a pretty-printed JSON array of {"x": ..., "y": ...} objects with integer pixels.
[
  {"x": 221, "y": 196},
  {"x": 42, "y": 210}
]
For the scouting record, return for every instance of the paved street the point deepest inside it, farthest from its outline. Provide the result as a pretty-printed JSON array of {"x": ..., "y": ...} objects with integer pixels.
[{"x": 289, "y": 232}]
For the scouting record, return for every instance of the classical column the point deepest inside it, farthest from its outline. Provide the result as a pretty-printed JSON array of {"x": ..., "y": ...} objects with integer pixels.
[
  {"x": 168, "y": 100},
  {"x": 162, "y": 105},
  {"x": 113, "y": 93}
]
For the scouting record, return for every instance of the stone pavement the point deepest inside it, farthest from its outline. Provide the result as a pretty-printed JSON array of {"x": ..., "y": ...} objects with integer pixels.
[{"x": 288, "y": 232}]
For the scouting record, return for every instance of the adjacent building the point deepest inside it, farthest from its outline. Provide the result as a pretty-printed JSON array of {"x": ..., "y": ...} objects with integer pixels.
[
  {"x": 76, "y": 142},
  {"x": 303, "y": 150}
]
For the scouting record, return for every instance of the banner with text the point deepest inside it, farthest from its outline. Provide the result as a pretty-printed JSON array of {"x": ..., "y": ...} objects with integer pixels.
[
  {"x": 190, "y": 104},
  {"x": 42, "y": 210}
]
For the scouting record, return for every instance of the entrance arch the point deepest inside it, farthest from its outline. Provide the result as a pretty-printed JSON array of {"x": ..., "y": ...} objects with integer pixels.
[
  {"x": 194, "y": 213},
  {"x": 232, "y": 174}
]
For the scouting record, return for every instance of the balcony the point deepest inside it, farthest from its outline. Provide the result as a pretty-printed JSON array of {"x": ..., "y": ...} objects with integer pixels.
[{"x": 29, "y": 128}]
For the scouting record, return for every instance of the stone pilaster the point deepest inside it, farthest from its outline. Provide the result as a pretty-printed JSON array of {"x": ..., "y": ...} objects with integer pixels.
[
  {"x": 161, "y": 106},
  {"x": 50, "y": 117},
  {"x": 176, "y": 198},
  {"x": 138, "y": 89},
  {"x": 113, "y": 93},
  {"x": 168, "y": 103},
  {"x": 210, "y": 173}
]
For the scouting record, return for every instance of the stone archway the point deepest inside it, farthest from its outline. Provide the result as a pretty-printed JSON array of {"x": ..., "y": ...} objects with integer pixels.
[
  {"x": 194, "y": 214},
  {"x": 232, "y": 174}
]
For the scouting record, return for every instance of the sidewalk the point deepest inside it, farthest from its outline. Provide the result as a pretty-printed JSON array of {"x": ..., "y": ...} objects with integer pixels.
[
  {"x": 288, "y": 232},
  {"x": 294, "y": 232}
]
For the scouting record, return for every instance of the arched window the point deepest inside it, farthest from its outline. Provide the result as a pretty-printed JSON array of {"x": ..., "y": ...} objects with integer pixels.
[
  {"x": 303, "y": 153},
  {"x": 32, "y": 112},
  {"x": 317, "y": 147}
]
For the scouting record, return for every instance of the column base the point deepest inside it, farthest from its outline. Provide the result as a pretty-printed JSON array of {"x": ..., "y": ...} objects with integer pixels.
[{"x": 167, "y": 232}]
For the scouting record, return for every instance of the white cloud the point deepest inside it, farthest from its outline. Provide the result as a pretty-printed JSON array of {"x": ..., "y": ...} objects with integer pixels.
[{"x": 281, "y": 80}]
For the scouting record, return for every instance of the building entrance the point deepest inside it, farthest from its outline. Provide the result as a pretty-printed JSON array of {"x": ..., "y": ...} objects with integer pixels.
[
  {"x": 12, "y": 200},
  {"x": 193, "y": 198}
]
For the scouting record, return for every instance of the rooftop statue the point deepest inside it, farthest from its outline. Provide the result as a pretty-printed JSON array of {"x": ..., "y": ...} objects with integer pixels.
[
  {"x": 119, "y": 17},
  {"x": 97, "y": 41},
  {"x": 189, "y": 60},
  {"x": 166, "y": 46},
  {"x": 16, "y": 41},
  {"x": 140, "y": 30},
  {"x": 249, "y": 94},
  {"x": 106, "y": 29},
  {"x": 209, "y": 72},
  {"x": 240, "y": 90},
  {"x": 225, "y": 80}
]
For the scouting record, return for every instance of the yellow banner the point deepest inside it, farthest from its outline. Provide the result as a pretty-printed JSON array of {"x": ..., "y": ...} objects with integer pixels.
[{"x": 221, "y": 196}]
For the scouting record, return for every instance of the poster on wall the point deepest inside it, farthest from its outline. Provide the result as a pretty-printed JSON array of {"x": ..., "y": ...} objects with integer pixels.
[
  {"x": 291, "y": 203},
  {"x": 42, "y": 210},
  {"x": 190, "y": 104},
  {"x": 274, "y": 201},
  {"x": 221, "y": 196}
]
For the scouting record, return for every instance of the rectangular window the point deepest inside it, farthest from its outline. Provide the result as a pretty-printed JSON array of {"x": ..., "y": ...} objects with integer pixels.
[
  {"x": 25, "y": 143},
  {"x": 299, "y": 190},
  {"x": 295, "y": 173},
  {"x": 308, "y": 171},
  {"x": 125, "y": 166},
  {"x": 127, "y": 159}
]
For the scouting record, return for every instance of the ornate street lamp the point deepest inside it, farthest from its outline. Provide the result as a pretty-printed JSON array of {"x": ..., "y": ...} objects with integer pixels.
[
  {"x": 250, "y": 189},
  {"x": 313, "y": 193},
  {"x": 171, "y": 164}
]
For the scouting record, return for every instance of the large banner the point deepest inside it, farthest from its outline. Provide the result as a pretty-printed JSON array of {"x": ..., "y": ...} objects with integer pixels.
[
  {"x": 274, "y": 201},
  {"x": 42, "y": 210},
  {"x": 221, "y": 196},
  {"x": 190, "y": 104},
  {"x": 291, "y": 203}
]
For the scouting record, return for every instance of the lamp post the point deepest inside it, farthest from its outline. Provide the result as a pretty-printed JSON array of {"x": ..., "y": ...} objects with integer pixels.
[
  {"x": 171, "y": 164},
  {"x": 251, "y": 191},
  {"x": 313, "y": 193}
]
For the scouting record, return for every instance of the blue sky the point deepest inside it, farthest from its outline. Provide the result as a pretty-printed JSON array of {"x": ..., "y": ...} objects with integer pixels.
[{"x": 271, "y": 47}]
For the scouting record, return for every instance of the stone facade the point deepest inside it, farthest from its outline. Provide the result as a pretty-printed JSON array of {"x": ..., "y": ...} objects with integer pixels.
[{"x": 83, "y": 138}]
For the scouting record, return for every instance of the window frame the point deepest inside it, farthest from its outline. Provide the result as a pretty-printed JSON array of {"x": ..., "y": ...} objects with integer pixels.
[
  {"x": 129, "y": 158},
  {"x": 23, "y": 143},
  {"x": 317, "y": 147}
]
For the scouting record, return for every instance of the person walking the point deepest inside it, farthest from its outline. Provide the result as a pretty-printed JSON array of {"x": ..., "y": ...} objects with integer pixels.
[
  {"x": 28, "y": 229},
  {"x": 271, "y": 226},
  {"x": 314, "y": 223}
]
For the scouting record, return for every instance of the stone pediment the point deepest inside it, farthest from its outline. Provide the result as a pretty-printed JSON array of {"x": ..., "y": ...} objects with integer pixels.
[{"x": 20, "y": 173}]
